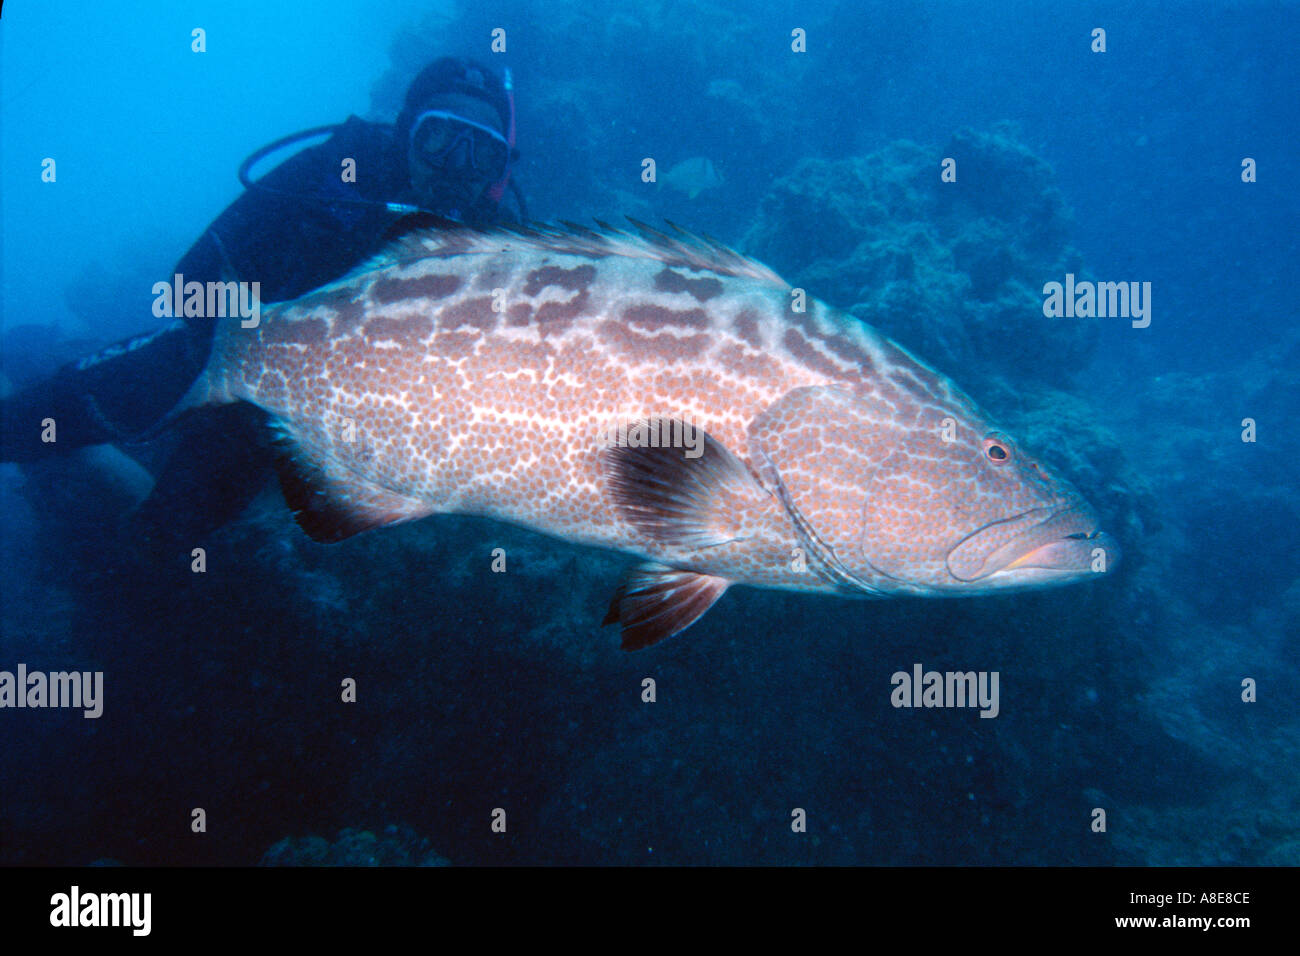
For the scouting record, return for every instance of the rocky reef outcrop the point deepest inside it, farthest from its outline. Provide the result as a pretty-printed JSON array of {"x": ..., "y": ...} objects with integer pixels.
[
  {"x": 393, "y": 846},
  {"x": 954, "y": 271}
]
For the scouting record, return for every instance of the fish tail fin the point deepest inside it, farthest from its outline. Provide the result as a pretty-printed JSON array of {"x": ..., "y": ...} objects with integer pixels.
[
  {"x": 209, "y": 388},
  {"x": 206, "y": 343}
]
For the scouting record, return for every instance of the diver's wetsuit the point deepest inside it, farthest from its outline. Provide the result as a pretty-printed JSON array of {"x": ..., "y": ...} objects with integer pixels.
[{"x": 290, "y": 244}]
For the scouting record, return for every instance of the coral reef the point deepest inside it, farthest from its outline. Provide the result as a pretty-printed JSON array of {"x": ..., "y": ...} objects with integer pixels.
[
  {"x": 395, "y": 846},
  {"x": 479, "y": 690},
  {"x": 953, "y": 271}
]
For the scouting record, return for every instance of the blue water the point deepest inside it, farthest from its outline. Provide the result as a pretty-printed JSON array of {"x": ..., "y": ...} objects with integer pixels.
[{"x": 478, "y": 691}]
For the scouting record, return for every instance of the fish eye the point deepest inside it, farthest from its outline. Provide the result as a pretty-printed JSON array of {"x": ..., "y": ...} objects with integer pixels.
[{"x": 997, "y": 450}]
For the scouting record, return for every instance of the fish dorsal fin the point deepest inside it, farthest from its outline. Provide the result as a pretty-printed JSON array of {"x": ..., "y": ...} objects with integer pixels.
[{"x": 676, "y": 247}]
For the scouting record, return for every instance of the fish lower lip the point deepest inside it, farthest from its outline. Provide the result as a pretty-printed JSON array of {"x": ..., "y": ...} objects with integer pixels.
[
  {"x": 971, "y": 559},
  {"x": 1062, "y": 540},
  {"x": 1039, "y": 554},
  {"x": 1067, "y": 553}
]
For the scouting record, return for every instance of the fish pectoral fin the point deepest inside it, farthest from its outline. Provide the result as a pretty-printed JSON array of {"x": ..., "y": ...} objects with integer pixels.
[
  {"x": 655, "y": 601},
  {"x": 684, "y": 497},
  {"x": 330, "y": 501}
]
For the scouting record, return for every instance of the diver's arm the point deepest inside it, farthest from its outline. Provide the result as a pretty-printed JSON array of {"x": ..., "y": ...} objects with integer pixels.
[
  {"x": 296, "y": 230},
  {"x": 288, "y": 246}
]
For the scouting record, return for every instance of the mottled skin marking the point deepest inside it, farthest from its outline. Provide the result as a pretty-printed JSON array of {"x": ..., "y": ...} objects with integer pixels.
[
  {"x": 407, "y": 330},
  {"x": 746, "y": 326},
  {"x": 798, "y": 345},
  {"x": 702, "y": 290},
  {"x": 914, "y": 371},
  {"x": 303, "y": 331},
  {"x": 658, "y": 348},
  {"x": 849, "y": 352},
  {"x": 746, "y": 363},
  {"x": 654, "y": 317},
  {"x": 459, "y": 408},
  {"x": 575, "y": 279},
  {"x": 476, "y": 312},
  {"x": 433, "y": 286},
  {"x": 555, "y": 317},
  {"x": 330, "y": 299}
]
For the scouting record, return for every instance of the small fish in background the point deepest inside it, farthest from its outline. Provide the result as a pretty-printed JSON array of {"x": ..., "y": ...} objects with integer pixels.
[{"x": 693, "y": 176}]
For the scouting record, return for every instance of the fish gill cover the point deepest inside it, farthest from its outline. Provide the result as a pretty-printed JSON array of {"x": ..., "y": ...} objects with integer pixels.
[{"x": 443, "y": 689}]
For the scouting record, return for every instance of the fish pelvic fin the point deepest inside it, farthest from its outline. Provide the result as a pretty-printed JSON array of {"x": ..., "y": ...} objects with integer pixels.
[
  {"x": 689, "y": 497},
  {"x": 654, "y": 602},
  {"x": 329, "y": 500}
]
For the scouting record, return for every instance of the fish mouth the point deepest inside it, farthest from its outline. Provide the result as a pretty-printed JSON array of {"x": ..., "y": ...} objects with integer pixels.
[{"x": 1036, "y": 546}]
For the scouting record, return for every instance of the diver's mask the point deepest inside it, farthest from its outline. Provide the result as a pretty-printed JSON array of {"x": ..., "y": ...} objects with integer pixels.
[{"x": 460, "y": 146}]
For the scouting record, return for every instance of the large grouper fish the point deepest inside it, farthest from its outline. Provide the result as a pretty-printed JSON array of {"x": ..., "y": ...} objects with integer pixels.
[{"x": 651, "y": 392}]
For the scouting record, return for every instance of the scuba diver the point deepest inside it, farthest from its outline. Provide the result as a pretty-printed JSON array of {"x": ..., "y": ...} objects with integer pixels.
[{"x": 448, "y": 156}]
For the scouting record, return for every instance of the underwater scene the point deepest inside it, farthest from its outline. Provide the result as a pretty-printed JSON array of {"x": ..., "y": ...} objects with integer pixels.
[{"x": 660, "y": 433}]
